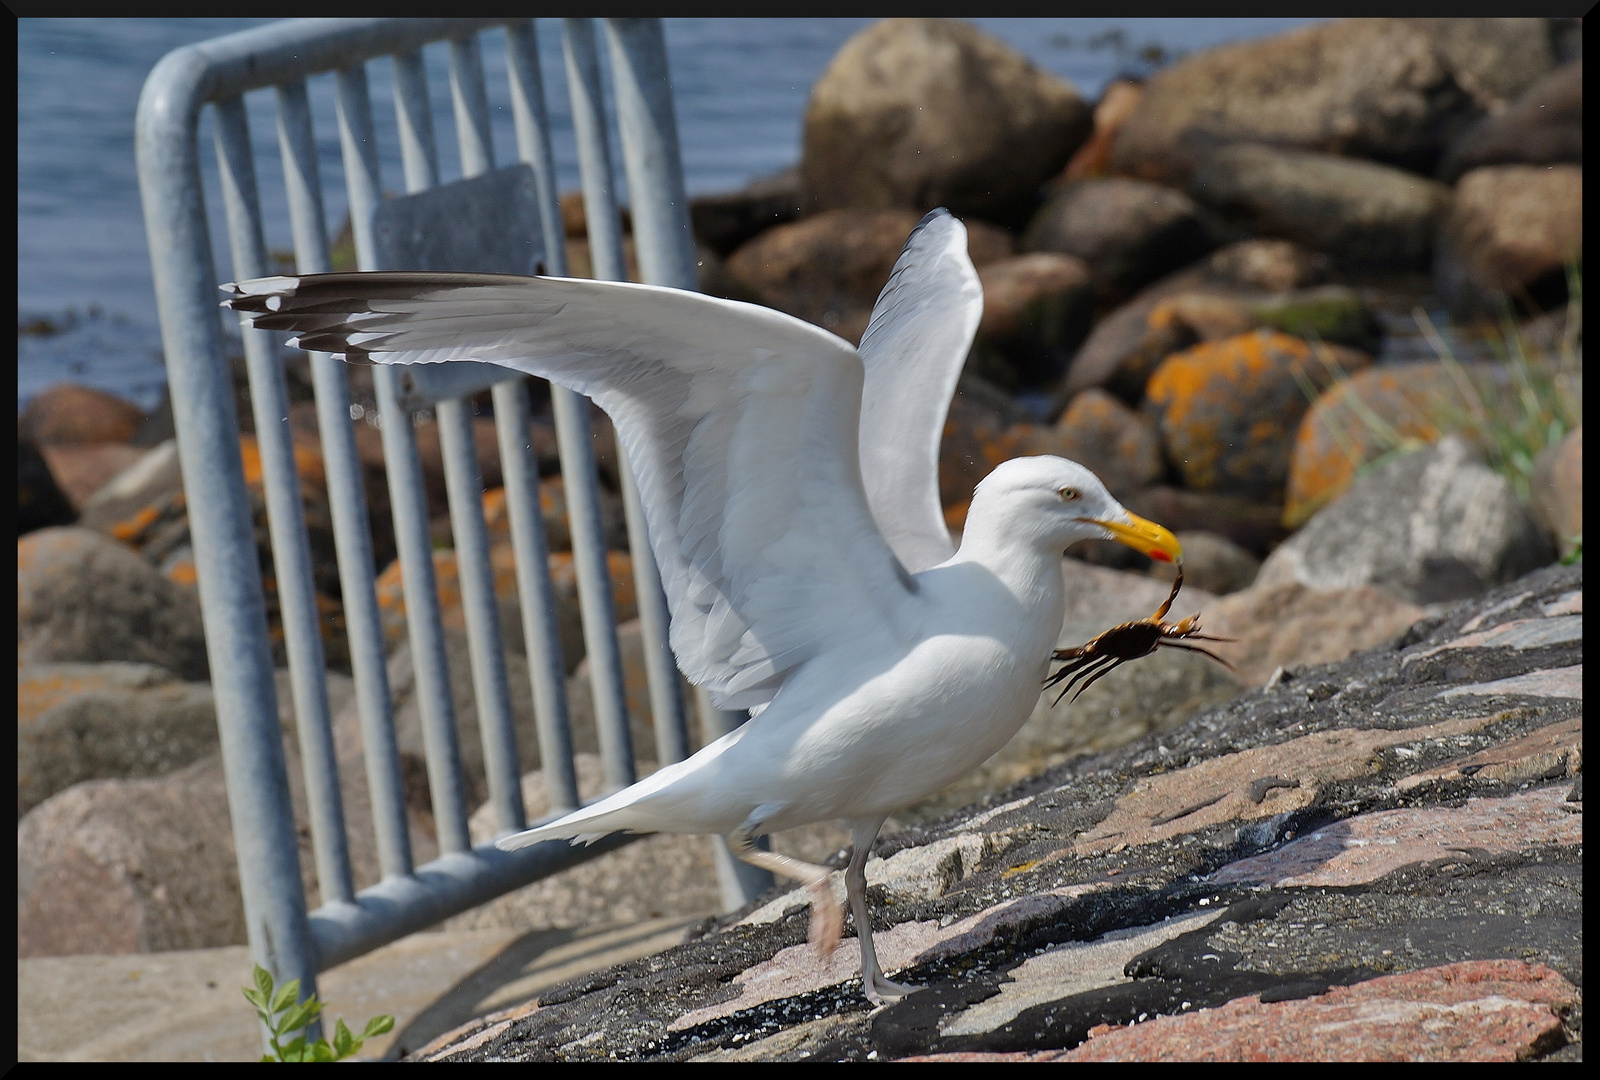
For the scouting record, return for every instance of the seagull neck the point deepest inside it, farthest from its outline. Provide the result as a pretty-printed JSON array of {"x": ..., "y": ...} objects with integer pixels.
[{"x": 1029, "y": 568}]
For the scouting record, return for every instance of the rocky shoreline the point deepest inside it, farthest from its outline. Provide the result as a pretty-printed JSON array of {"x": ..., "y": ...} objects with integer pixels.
[{"x": 1313, "y": 302}]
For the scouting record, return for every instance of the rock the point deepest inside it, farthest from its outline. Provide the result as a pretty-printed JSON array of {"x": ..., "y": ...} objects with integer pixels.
[
  {"x": 725, "y": 221},
  {"x": 1036, "y": 310},
  {"x": 1557, "y": 489},
  {"x": 1513, "y": 229},
  {"x": 154, "y": 480},
  {"x": 1395, "y": 90},
  {"x": 1292, "y": 626},
  {"x": 1098, "y": 432},
  {"x": 1357, "y": 419},
  {"x": 1255, "y": 527},
  {"x": 919, "y": 113},
  {"x": 123, "y": 866},
  {"x": 1371, "y": 216},
  {"x": 1211, "y": 563},
  {"x": 1130, "y": 232},
  {"x": 83, "y": 469},
  {"x": 979, "y": 415},
  {"x": 1542, "y": 127},
  {"x": 1480, "y": 1010},
  {"x": 1115, "y": 106},
  {"x": 84, "y": 598},
  {"x": 1228, "y": 409},
  {"x": 112, "y": 721},
  {"x": 829, "y": 268},
  {"x": 1328, "y": 313},
  {"x": 67, "y": 414},
  {"x": 40, "y": 501},
  {"x": 1431, "y": 527},
  {"x": 1125, "y": 346}
]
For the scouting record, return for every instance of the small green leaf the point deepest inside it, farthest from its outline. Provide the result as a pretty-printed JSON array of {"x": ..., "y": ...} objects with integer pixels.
[
  {"x": 295, "y": 1051},
  {"x": 257, "y": 998},
  {"x": 263, "y": 979},
  {"x": 286, "y": 996},
  {"x": 321, "y": 1051},
  {"x": 299, "y": 1016},
  {"x": 342, "y": 1038},
  {"x": 377, "y": 1026}
]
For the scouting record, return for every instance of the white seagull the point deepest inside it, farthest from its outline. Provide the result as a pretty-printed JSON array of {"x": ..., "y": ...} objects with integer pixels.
[{"x": 790, "y": 484}]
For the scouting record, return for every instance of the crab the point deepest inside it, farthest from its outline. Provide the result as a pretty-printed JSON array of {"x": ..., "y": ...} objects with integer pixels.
[{"x": 1130, "y": 641}]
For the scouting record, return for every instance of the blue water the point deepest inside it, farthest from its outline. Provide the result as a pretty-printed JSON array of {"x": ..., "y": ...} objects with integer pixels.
[{"x": 740, "y": 86}]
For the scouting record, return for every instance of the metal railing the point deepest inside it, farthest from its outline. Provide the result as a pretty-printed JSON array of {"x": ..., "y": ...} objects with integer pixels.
[{"x": 284, "y": 936}]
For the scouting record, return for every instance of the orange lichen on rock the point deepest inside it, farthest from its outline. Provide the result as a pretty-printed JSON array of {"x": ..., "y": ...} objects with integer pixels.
[{"x": 1227, "y": 409}]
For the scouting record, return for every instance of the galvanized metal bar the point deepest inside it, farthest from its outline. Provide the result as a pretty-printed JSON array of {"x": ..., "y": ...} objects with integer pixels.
[
  {"x": 232, "y": 605},
  {"x": 470, "y": 102},
  {"x": 541, "y": 637},
  {"x": 407, "y": 496},
  {"x": 347, "y": 498},
  {"x": 582, "y": 484},
  {"x": 419, "y": 156},
  {"x": 286, "y": 526},
  {"x": 532, "y": 125}
]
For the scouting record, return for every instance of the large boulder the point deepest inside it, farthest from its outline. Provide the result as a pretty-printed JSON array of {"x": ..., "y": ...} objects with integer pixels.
[
  {"x": 1100, "y": 433},
  {"x": 829, "y": 268},
  {"x": 1036, "y": 310},
  {"x": 85, "y": 598},
  {"x": 68, "y": 414},
  {"x": 636, "y": 687},
  {"x": 1395, "y": 90},
  {"x": 81, "y": 469},
  {"x": 1130, "y": 232},
  {"x": 1558, "y": 489},
  {"x": 919, "y": 113},
  {"x": 1211, "y": 563},
  {"x": 1512, "y": 232},
  {"x": 1125, "y": 346},
  {"x": 110, "y": 721},
  {"x": 1229, "y": 409},
  {"x": 1431, "y": 527},
  {"x": 1369, "y": 216},
  {"x": 1542, "y": 127},
  {"x": 726, "y": 220},
  {"x": 1291, "y": 625}
]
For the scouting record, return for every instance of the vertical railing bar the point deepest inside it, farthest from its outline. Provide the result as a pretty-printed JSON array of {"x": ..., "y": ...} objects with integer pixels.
[
  {"x": 588, "y": 533},
  {"x": 541, "y": 636},
  {"x": 232, "y": 603},
  {"x": 464, "y": 480},
  {"x": 407, "y": 495},
  {"x": 419, "y": 156},
  {"x": 653, "y": 161},
  {"x": 291, "y": 548},
  {"x": 347, "y": 499},
  {"x": 470, "y": 103}
]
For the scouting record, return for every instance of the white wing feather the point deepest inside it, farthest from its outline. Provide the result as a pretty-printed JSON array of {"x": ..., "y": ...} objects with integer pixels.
[
  {"x": 913, "y": 351},
  {"x": 740, "y": 423}
]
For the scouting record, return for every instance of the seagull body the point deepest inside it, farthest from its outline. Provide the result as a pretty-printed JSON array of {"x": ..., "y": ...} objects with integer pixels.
[{"x": 790, "y": 485}]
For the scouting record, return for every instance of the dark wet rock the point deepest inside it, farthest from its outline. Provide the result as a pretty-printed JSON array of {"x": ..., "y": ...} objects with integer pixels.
[
  {"x": 85, "y": 598},
  {"x": 1367, "y": 215},
  {"x": 1211, "y": 563},
  {"x": 1512, "y": 232},
  {"x": 1229, "y": 409},
  {"x": 1394, "y": 90},
  {"x": 829, "y": 268},
  {"x": 724, "y": 221},
  {"x": 40, "y": 501},
  {"x": 1129, "y": 232},
  {"x": 919, "y": 113},
  {"x": 1036, "y": 310},
  {"x": 110, "y": 721},
  {"x": 1218, "y": 862},
  {"x": 1542, "y": 127},
  {"x": 1557, "y": 489},
  {"x": 1125, "y": 346},
  {"x": 1432, "y": 527},
  {"x": 68, "y": 414}
]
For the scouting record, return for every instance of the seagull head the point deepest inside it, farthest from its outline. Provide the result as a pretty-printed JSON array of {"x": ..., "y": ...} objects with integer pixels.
[{"x": 1052, "y": 502}]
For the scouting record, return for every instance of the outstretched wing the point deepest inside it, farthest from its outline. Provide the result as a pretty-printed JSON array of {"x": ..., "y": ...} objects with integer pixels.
[
  {"x": 740, "y": 423},
  {"x": 913, "y": 351}
]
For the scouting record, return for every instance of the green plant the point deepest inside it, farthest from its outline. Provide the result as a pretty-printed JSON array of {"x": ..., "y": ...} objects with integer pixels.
[{"x": 282, "y": 1016}]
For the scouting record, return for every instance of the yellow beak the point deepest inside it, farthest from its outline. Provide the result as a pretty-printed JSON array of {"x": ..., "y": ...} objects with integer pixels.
[{"x": 1145, "y": 537}]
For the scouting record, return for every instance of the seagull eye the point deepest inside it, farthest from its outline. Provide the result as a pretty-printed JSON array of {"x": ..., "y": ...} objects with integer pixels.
[{"x": 1069, "y": 494}]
